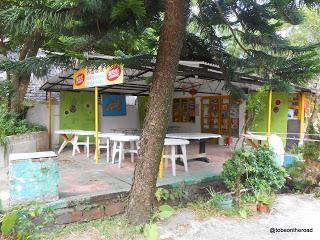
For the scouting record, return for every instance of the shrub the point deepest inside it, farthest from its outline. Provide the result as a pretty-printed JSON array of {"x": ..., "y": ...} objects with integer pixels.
[
  {"x": 12, "y": 124},
  {"x": 303, "y": 176},
  {"x": 257, "y": 170},
  {"x": 311, "y": 150},
  {"x": 25, "y": 221}
]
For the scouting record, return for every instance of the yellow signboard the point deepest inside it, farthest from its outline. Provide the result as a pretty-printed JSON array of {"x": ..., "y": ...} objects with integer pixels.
[{"x": 96, "y": 77}]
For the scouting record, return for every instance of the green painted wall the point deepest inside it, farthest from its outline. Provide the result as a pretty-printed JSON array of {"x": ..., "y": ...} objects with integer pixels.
[
  {"x": 77, "y": 111},
  {"x": 142, "y": 107},
  {"x": 279, "y": 120}
]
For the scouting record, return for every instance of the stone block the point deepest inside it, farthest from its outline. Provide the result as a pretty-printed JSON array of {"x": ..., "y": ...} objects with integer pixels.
[
  {"x": 63, "y": 216},
  {"x": 114, "y": 208},
  {"x": 24, "y": 143},
  {"x": 76, "y": 216},
  {"x": 92, "y": 213},
  {"x": 31, "y": 180}
]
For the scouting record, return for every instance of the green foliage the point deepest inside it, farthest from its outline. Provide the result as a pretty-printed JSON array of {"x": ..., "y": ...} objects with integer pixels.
[
  {"x": 309, "y": 149},
  {"x": 161, "y": 194},
  {"x": 264, "y": 197},
  {"x": 255, "y": 104},
  {"x": 205, "y": 208},
  {"x": 124, "y": 6},
  {"x": 8, "y": 222},
  {"x": 303, "y": 176},
  {"x": 116, "y": 228},
  {"x": 26, "y": 221},
  {"x": 248, "y": 198},
  {"x": 244, "y": 213},
  {"x": 256, "y": 168},
  {"x": 150, "y": 230},
  {"x": 215, "y": 196},
  {"x": 12, "y": 124},
  {"x": 164, "y": 211},
  {"x": 172, "y": 194},
  {"x": 6, "y": 91},
  {"x": 245, "y": 37}
]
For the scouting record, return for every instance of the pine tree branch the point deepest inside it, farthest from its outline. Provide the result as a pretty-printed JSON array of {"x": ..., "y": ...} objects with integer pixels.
[{"x": 230, "y": 28}]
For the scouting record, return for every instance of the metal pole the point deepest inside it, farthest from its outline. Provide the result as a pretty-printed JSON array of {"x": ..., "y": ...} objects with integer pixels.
[
  {"x": 50, "y": 120},
  {"x": 269, "y": 115},
  {"x": 301, "y": 118},
  {"x": 96, "y": 91},
  {"x": 161, "y": 164}
]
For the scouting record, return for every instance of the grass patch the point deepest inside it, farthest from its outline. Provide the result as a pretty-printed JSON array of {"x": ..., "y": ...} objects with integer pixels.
[
  {"x": 205, "y": 209},
  {"x": 111, "y": 228}
]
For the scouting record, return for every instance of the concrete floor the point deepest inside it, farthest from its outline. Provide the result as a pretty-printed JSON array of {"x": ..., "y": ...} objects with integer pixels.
[
  {"x": 81, "y": 175},
  {"x": 289, "y": 211}
]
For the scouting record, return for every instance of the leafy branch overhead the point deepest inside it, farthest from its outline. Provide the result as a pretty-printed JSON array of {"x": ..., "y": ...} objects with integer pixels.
[
  {"x": 247, "y": 37},
  {"x": 242, "y": 37}
]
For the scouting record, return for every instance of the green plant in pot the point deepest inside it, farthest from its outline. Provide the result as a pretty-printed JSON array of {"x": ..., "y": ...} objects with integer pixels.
[
  {"x": 264, "y": 199},
  {"x": 220, "y": 200},
  {"x": 250, "y": 202}
]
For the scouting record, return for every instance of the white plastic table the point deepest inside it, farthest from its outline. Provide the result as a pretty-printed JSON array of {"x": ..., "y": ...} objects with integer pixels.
[
  {"x": 201, "y": 137},
  {"x": 121, "y": 140},
  {"x": 107, "y": 136},
  {"x": 74, "y": 139},
  {"x": 172, "y": 144}
]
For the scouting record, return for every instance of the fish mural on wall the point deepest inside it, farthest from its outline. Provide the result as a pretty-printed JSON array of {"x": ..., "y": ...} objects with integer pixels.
[{"x": 113, "y": 105}]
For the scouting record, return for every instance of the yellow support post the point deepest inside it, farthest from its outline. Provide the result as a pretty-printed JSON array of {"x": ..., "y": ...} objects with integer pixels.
[
  {"x": 269, "y": 115},
  {"x": 161, "y": 165},
  {"x": 96, "y": 107},
  {"x": 50, "y": 120},
  {"x": 301, "y": 117}
]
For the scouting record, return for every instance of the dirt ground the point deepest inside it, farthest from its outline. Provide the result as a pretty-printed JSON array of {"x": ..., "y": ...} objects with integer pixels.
[{"x": 289, "y": 211}]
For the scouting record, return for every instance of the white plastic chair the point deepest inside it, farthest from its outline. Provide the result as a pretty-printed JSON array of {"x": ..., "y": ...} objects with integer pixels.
[{"x": 106, "y": 146}]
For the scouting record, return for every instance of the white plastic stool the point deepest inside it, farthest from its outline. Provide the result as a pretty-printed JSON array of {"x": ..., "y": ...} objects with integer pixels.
[
  {"x": 172, "y": 143},
  {"x": 118, "y": 147}
]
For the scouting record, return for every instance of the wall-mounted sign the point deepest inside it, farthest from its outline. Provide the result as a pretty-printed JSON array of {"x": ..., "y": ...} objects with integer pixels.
[
  {"x": 113, "y": 105},
  {"x": 98, "y": 76}
]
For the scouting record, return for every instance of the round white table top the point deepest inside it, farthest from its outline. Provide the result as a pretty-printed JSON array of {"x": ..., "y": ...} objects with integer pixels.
[
  {"x": 109, "y": 135},
  {"x": 175, "y": 141},
  {"x": 193, "y": 136},
  {"x": 76, "y": 132},
  {"x": 125, "y": 138}
]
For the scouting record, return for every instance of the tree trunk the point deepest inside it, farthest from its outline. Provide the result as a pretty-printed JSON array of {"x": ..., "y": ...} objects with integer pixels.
[
  {"x": 20, "y": 85},
  {"x": 155, "y": 126},
  {"x": 20, "y": 81}
]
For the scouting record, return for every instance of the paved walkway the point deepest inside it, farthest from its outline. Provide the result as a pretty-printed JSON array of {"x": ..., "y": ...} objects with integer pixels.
[
  {"x": 81, "y": 175},
  {"x": 290, "y": 211}
]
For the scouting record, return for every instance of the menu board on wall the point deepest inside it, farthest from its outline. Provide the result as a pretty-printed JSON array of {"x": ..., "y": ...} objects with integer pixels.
[
  {"x": 293, "y": 106},
  {"x": 184, "y": 110},
  {"x": 220, "y": 115}
]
